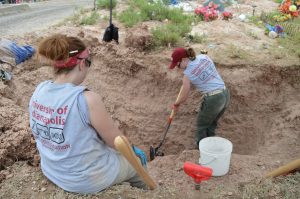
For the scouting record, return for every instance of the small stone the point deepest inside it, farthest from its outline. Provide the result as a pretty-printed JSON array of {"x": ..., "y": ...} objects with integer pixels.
[
  {"x": 34, "y": 189},
  {"x": 9, "y": 176},
  {"x": 229, "y": 193},
  {"x": 44, "y": 182},
  {"x": 43, "y": 189},
  {"x": 160, "y": 182},
  {"x": 278, "y": 161},
  {"x": 34, "y": 182}
]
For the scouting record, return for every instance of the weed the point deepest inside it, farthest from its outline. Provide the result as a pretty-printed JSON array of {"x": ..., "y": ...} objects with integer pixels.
[
  {"x": 75, "y": 18},
  {"x": 164, "y": 37},
  {"x": 197, "y": 38},
  {"x": 170, "y": 34},
  {"x": 256, "y": 21},
  {"x": 106, "y": 4},
  {"x": 236, "y": 52},
  {"x": 292, "y": 44},
  {"x": 253, "y": 35},
  {"x": 130, "y": 17},
  {"x": 91, "y": 19},
  {"x": 282, "y": 187}
]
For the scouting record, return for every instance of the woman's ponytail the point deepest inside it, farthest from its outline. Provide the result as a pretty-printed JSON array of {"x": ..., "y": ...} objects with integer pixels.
[
  {"x": 191, "y": 54},
  {"x": 55, "y": 47}
]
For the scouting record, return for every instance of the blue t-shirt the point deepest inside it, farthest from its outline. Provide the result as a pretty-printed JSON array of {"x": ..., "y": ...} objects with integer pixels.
[
  {"x": 73, "y": 156},
  {"x": 203, "y": 74}
]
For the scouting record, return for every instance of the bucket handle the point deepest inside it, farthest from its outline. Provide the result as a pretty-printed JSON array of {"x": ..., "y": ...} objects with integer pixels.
[{"x": 214, "y": 158}]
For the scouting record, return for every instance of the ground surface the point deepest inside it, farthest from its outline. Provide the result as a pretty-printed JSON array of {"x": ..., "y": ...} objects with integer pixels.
[
  {"x": 262, "y": 121},
  {"x": 38, "y": 16}
]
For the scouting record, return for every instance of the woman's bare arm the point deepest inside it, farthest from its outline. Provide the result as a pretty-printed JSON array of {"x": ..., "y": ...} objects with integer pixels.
[{"x": 100, "y": 118}]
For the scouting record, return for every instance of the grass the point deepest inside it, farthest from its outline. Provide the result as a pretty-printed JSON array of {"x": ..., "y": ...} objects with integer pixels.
[
  {"x": 285, "y": 187},
  {"x": 83, "y": 17},
  {"x": 105, "y": 4},
  {"x": 292, "y": 44},
  {"x": 90, "y": 19},
  {"x": 236, "y": 52},
  {"x": 253, "y": 35},
  {"x": 171, "y": 33},
  {"x": 79, "y": 12},
  {"x": 197, "y": 38},
  {"x": 130, "y": 17}
]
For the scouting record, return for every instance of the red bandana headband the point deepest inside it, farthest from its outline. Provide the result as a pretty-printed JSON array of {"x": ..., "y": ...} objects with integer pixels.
[{"x": 72, "y": 61}]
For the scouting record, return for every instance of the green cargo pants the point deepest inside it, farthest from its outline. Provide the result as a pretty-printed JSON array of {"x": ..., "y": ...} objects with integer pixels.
[{"x": 212, "y": 108}]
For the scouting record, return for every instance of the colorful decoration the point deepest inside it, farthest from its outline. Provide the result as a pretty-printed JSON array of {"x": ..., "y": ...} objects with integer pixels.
[
  {"x": 274, "y": 31},
  {"x": 287, "y": 7},
  {"x": 227, "y": 15},
  {"x": 208, "y": 13}
]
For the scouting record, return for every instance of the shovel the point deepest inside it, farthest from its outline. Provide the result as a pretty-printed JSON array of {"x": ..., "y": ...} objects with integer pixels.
[
  {"x": 155, "y": 151},
  {"x": 111, "y": 32}
]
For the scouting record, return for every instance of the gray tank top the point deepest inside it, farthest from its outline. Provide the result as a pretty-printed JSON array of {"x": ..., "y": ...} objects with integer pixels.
[{"x": 73, "y": 156}]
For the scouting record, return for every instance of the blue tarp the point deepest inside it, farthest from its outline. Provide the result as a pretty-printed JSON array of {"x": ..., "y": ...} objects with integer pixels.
[{"x": 21, "y": 53}]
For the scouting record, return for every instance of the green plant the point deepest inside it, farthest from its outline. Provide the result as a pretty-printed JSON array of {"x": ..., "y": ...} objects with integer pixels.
[
  {"x": 179, "y": 24},
  {"x": 253, "y": 35},
  {"x": 164, "y": 37},
  {"x": 106, "y": 4},
  {"x": 292, "y": 44},
  {"x": 197, "y": 38},
  {"x": 91, "y": 19},
  {"x": 75, "y": 18},
  {"x": 236, "y": 52},
  {"x": 129, "y": 17}
]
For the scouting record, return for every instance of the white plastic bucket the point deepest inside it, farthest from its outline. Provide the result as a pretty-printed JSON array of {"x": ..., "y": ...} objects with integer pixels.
[{"x": 215, "y": 152}]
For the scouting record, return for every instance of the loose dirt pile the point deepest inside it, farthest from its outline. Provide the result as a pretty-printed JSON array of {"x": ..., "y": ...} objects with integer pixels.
[{"x": 262, "y": 121}]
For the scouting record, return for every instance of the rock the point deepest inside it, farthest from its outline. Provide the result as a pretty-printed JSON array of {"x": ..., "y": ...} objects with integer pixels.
[
  {"x": 273, "y": 34},
  {"x": 44, "y": 182},
  {"x": 9, "y": 176},
  {"x": 43, "y": 189}
]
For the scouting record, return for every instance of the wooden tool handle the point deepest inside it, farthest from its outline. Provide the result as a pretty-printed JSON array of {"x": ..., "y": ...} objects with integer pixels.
[
  {"x": 124, "y": 147},
  {"x": 284, "y": 169},
  {"x": 173, "y": 112}
]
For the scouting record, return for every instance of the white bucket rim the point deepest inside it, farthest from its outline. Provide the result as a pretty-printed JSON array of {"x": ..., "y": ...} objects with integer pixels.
[{"x": 204, "y": 140}]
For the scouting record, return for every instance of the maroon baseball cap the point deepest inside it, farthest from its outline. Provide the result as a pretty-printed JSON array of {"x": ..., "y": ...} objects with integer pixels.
[{"x": 177, "y": 56}]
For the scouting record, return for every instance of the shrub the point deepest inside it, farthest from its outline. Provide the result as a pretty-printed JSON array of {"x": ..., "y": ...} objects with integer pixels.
[
  {"x": 197, "y": 38},
  {"x": 90, "y": 19},
  {"x": 106, "y": 4},
  {"x": 130, "y": 17},
  {"x": 170, "y": 34},
  {"x": 164, "y": 37},
  {"x": 178, "y": 26}
]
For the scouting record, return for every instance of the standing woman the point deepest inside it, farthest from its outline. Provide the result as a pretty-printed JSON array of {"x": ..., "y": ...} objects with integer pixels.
[
  {"x": 74, "y": 133},
  {"x": 201, "y": 72}
]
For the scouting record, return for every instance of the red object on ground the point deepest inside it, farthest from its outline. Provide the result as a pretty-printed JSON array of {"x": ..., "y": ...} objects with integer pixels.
[{"x": 197, "y": 172}]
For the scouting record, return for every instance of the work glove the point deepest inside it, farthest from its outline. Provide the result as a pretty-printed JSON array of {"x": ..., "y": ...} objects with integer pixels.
[{"x": 140, "y": 154}]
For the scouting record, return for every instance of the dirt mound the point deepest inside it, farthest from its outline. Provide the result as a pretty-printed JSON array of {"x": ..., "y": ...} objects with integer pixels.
[{"x": 139, "y": 37}]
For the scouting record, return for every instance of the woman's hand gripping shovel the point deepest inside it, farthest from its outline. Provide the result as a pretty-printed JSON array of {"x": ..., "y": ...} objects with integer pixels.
[{"x": 155, "y": 151}]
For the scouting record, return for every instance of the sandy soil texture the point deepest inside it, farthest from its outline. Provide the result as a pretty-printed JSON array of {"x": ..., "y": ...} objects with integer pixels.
[{"x": 262, "y": 122}]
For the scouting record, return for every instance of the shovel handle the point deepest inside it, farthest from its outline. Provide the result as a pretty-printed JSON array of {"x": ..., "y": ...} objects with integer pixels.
[{"x": 173, "y": 112}]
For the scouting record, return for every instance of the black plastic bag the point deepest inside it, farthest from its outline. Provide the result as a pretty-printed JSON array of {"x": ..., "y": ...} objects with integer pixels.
[{"x": 111, "y": 32}]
